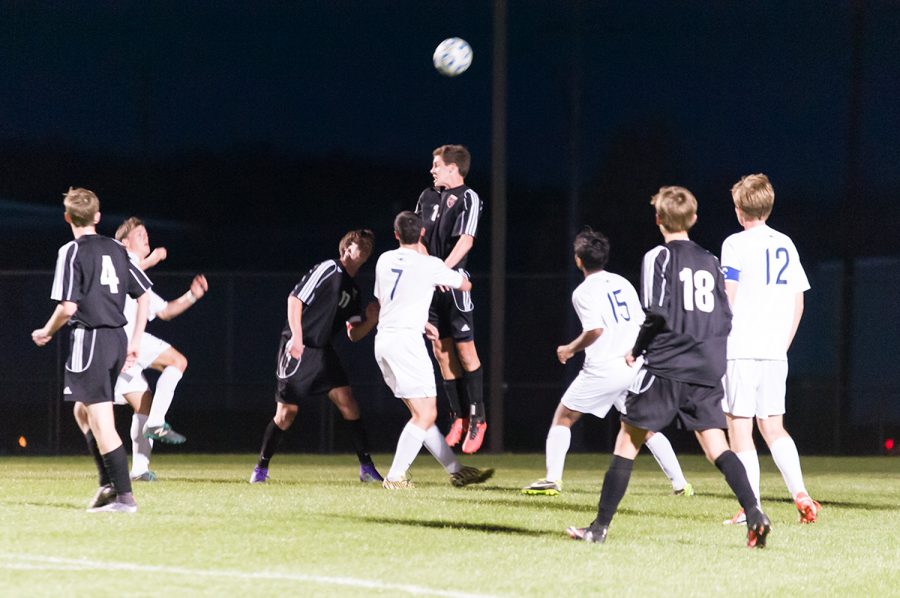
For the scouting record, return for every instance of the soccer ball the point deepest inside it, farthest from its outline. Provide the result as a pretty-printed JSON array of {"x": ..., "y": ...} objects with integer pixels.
[{"x": 452, "y": 56}]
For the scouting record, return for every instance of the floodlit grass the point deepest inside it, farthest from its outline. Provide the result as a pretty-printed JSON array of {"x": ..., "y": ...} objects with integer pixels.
[{"x": 202, "y": 529}]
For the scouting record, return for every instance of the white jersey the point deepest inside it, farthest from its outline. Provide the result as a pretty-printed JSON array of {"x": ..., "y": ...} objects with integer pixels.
[
  {"x": 157, "y": 303},
  {"x": 404, "y": 285},
  {"x": 766, "y": 266},
  {"x": 608, "y": 301}
]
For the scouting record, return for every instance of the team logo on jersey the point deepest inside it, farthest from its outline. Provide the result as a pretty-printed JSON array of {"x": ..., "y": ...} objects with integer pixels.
[{"x": 451, "y": 201}]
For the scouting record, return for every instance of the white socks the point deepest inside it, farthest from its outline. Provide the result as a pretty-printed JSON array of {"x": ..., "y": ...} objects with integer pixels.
[
  {"x": 558, "y": 440},
  {"x": 162, "y": 397},
  {"x": 437, "y": 446},
  {"x": 140, "y": 446},
  {"x": 664, "y": 454},
  {"x": 751, "y": 463},
  {"x": 408, "y": 447},
  {"x": 784, "y": 453}
]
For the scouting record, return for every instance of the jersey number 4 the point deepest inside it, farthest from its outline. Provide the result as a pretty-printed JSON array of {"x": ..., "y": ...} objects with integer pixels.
[
  {"x": 108, "y": 277},
  {"x": 698, "y": 290}
]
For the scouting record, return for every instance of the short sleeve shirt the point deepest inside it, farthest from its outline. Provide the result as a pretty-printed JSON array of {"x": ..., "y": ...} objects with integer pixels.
[
  {"x": 608, "y": 301},
  {"x": 447, "y": 215},
  {"x": 330, "y": 299},
  {"x": 766, "y": 267}
]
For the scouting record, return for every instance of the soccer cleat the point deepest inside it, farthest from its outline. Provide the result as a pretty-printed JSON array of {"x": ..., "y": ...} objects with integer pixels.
[
  {"x": 470, "y": 475},
  {"x": 688, "y": 490},
  {"x": 147, "y": 476},
  {"x": 117, "y": 506},
  {"x": 104, "y": 495},
  {"x": 808, "y": 508},
  {"x": 457, "y": 430},
  {"x": 543, "y": 488},
  {"x": 474, "y": 436},
  {"x": 260, "y": 475},
  {"x": 368, "y": 473},
  {"x": 596, "y": 535},
  {"x": 739, "y": 517},
  {"x": 758, "y": 527},
  {"x": 164, "y": 433},
  {"x": 401, "y": 484}
]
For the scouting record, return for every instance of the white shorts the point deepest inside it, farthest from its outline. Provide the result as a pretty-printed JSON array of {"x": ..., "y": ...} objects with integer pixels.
[
  {"x": 755, "y": 387},
  {"x": 595, "y": 391},
  {"x": 129, "y": 381},
  {"x": 151, "y": 348},
  {"x": 405, "y": 364}
]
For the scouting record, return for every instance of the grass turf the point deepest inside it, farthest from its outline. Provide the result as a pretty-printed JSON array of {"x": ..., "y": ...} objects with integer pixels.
[{"x": 203, "y": 530}]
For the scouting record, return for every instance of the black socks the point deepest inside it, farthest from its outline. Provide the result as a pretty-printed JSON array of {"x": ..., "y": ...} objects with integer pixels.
[
  {"x": 271, "y": 440},
  {"x": 615, "y": 483}
]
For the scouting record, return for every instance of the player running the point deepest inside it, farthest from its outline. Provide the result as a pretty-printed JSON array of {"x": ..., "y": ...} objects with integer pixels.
[{"x": 610, "y": 314}]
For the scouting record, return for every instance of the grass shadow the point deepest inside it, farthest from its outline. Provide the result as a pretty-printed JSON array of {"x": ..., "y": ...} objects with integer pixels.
[{"x": 453, "y": 526}]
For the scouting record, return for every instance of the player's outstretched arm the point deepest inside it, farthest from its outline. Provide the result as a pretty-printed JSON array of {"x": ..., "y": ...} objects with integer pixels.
[
  {"x": 61, "y": 314},
  {"x": 463, "y": 244},
  {"x": 356, "y": 331},
  {"x": 175, "y": 308}
]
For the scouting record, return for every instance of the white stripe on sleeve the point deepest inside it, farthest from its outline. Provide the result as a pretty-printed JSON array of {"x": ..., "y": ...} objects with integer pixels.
[
  {"x": 321, "y": 273},
  {"x": 471, "y": 225}
]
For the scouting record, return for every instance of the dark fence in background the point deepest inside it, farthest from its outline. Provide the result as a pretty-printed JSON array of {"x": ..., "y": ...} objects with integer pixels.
[{"x": 226, "y": 397}]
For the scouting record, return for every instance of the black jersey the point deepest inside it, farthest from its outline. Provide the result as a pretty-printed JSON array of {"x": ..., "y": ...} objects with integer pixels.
[
  {"x": 330, "y": 299},
  {"x": 683, "y": 284},
  {"x": 447, "y": 215},
  {"x": 94, "y": 271}
]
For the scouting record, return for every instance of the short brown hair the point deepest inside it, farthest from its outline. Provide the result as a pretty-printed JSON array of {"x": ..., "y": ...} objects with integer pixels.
[
  {"x": 363, "y": 237},
  {"x": 126, "y": 227},
  {"x": 754, "y": 195},
  {"x": 81, "y": 206},
  {"x": 408, "y": 226},
  {"x": 455, "y": 154},
  {"x": 675, "y": 208}
]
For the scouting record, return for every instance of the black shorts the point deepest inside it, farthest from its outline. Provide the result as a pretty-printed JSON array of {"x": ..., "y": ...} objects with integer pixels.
[
  {"x": 453, "y": 314},
  {"x": 96, "y": 356},
  {"x": 654, "y": 402},
  {"x": 316, "y": 372}
]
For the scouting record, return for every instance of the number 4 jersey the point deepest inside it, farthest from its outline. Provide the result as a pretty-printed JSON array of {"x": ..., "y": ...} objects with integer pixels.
[
  {"x": 766, "y": 267},
  {"x": 683, "y": 283}
]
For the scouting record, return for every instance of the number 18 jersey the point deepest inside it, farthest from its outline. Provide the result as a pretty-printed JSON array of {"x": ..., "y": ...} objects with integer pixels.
[{"x": 683, "y": 283}]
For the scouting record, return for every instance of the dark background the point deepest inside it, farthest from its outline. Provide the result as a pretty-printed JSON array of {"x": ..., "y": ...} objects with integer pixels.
[{"x": 251, "y": 136}]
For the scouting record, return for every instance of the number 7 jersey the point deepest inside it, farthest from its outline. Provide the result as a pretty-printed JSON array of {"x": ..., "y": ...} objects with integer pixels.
[{"x": 683, "y": 283}]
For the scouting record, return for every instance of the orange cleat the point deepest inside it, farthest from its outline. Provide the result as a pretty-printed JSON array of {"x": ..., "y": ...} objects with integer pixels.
[
  {"x": 474, "y": 437},
  {"x": 457, "y": 430},
  {"x": 808, "y": 508}
]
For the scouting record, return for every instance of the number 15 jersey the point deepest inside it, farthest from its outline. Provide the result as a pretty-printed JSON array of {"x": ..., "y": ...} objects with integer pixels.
[{"x": 683, "y": 283}]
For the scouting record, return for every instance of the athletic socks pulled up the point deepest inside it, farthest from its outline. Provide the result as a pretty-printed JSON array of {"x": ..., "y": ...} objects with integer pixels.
[
  {"x": 162, "y": 397},
  {"x": 408, "y": 446},
  {"x": 116, "y": 464},
  {"x": 736, "y": 476},
  {"x": 94, "y": 450},
  {"x": 271, "y": 440},
  {"x": 615, "y": 483},
  {"x": 558, "y": 440},
  {"x": 358, "y": 440}
]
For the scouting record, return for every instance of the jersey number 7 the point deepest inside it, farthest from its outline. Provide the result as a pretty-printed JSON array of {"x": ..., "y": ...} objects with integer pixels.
[{"x": 399, "y": 274}]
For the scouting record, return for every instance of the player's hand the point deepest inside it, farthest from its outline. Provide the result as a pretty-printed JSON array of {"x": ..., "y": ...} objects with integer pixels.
[
  {"x": 630, "y": 359},
  {"x": 130, "y": 358},
  {"x": 159, "y": 254},
  {"x": 199, "y": 286},
  {"x": 296, "y": 350},
  {"x": 431, "y": 332},
  {"x": 41, "y": 337},
  {"x": 564, "y": 353}
]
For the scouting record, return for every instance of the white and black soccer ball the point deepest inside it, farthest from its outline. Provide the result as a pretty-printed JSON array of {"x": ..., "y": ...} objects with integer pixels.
[{"x": 452, "y": 56}]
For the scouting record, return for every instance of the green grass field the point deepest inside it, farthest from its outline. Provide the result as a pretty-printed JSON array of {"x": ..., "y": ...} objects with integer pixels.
[{"x": 202, "y": 529}]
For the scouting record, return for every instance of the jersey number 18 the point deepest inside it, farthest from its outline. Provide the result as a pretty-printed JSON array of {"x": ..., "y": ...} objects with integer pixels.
[{"x": 698, "y": 290}]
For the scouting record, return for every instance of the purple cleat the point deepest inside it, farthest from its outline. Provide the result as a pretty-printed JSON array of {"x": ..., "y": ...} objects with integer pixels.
[
  {"x": 260, "y": 475},
  {"x": 368, "y": 474}
]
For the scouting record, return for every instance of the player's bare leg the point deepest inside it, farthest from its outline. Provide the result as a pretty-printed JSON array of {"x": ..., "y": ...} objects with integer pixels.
[
  {"x": 172, "y": 365},
  {"x": 784, "y": 453},
  {"x": 715, "y": 447},
  {"x": 343, "y": 399}
]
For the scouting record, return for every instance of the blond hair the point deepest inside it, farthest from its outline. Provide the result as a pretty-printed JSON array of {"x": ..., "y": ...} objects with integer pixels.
[
  {"x": 81, "y": 206},
  {"x": 126, "y": 227},
  {"x": 754, "y": 195},
  {"x": 364, "y": 239},
  {"x": 676, "y": 208}
]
